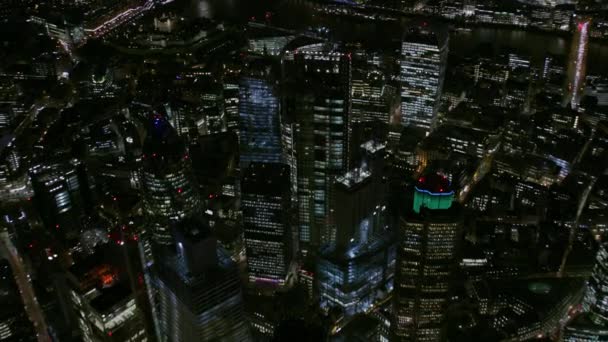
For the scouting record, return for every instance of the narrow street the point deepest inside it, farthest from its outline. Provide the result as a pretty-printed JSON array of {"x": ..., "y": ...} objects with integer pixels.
[{"x": 25, "y": 287}]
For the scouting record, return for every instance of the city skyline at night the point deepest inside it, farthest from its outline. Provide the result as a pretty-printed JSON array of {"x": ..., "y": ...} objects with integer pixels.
[{"x": 303, "y": 170}]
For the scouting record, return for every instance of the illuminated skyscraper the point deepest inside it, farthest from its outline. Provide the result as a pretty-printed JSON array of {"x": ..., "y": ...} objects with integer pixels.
[
  {"x": 266, "y": 204},
  {"x": 577, "y": 63},
  {"x": 199, "y": 290},
  {"x": 260, "y": 131},
  {"x": 318, "y": 86},
  {"x": 360, "y": 262},
  {"x": 372, "y": 97},
  {"x": 596, "y": 296},
  {"x": 424, "y": 54},
  {"x": 592, "y": 323},
  {"x": 426, "y": 257},
  {"x": 168, "y": 190}
]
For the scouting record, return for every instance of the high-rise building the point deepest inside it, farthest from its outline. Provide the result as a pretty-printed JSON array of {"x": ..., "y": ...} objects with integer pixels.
[
  {"x": 231, "y": 103},
  {"x": 168, "y": 189},
  {"x": 317, "y": 83},
  {"x": 266, "y": 204},
  {"x": 426, "y": 258},
  {"x": 424, "y": 53},
  {"x": 592, "y": 323},
  {"x": 61, "y": 192},
  {"x": 105, "y": 305},
  {"x": 360, "y": 263},
  {"x": 259, "y": 127},
  {"x": 372, "y": 97},
  {"x": 596, "y": 295},
  {"x": 577, "y": 62},
  {"x": 200, "y": 297}
]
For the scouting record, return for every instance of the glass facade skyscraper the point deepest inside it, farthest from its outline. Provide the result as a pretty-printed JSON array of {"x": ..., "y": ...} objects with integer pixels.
[
  {"x": 319, "y": 101},
  {"x": 359, "y": 264},
  {"x": 260, "y": 130},
  {"x": 200, "y": 297},
  {"x": 168, "y": 189},
  {"x": 424, "y": 54},
  {"x": 596, "y": 295},
  {"x": 592, "y": 323},
  {"x": 266, "y": 203}
]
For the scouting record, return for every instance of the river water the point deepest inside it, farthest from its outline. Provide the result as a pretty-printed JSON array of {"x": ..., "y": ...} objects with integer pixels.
[{"x": 299, "y": 14}]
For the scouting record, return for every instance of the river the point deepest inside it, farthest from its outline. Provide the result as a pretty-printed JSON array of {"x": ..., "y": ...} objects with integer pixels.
[{"x": 299, "y": 14}]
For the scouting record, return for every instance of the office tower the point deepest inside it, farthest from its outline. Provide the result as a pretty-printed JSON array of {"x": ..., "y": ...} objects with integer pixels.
[
  {"x": 596, "y": 297},
  {"x": 266, "y": 204},
  {"x": 180, "y": 115},
  {"x": 15, "y": 183},
  {"x": 231, "y": 103},
  {"x": 424, "y": 54},
  {"x": 592, "y": 323},
  {"x": 360, "y": 263},
  {"x": 372, "y": 97},
  {"x": 213, "y": 119},
  {"x": 426, "y": 257},
  {"x": 7, "y": 116},
  {"x": 61, "y": 192},
  {"x": 577, "y": 62},
  {"x": 104, "y": 303},
  {"x": 168, "y": 189},
  {"x": 317, "y": 83},
  {"x": 200, "y": 297},
  {"x": 259, "y": 127},
  {"x": 289, "y": 128}
]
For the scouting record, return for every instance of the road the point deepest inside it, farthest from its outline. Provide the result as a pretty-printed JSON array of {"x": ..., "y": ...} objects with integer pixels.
[{"x": 25, "y": 288}]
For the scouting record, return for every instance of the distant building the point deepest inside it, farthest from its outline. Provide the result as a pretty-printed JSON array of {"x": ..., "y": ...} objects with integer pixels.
[
  {"x": 424, "y": 54},
  {"x": 372, "y": 97}
]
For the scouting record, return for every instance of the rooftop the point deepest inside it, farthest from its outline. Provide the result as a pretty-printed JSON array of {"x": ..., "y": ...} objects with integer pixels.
[
  {"x": 434, "y": 183},
  {"x": 110, "y": 297},
  {"x": 266, "y": 178},
  {"x": 354, "y": 177}
]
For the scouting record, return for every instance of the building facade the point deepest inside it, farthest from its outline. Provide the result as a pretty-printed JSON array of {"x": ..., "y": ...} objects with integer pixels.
[
  {"x": 266, "y": 204},
  {"x": 426, "y": 258},
  {"x": 424, "y": 54},
  {"x": 318, "y": 100}
]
